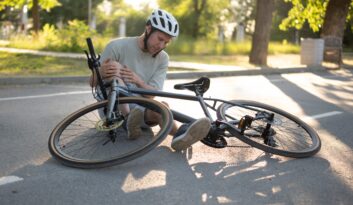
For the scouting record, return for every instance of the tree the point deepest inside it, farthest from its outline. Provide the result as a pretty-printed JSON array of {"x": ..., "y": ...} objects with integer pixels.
[
  {"x": 34, "y": 5},
  {"x": 333, "y": 28},
  {"x": 261, "y": 36},
  {"x": 35, "y": 15}
]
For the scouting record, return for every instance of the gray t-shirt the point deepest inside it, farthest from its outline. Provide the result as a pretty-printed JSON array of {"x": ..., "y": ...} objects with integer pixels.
[{"x": 152, "y": 70}]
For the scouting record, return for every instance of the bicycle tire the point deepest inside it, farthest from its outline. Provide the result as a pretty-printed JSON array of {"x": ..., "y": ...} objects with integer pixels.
[
  {"x": 295, "y": 138},
  {"x": 77, "y": 142}
]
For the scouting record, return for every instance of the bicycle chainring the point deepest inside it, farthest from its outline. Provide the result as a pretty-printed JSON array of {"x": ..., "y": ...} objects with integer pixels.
[
  {"x": 101, "y": 125},
  {"x": 220, "y": 142}
]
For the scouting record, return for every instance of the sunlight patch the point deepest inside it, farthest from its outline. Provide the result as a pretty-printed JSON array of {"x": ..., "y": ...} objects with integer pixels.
[{"x": 150, "y": 180}]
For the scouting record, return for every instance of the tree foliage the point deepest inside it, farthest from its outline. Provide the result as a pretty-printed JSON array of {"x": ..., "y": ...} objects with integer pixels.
[
  {"x": 34, "y": 5},
  {"x": 44, "y": 4},
  {"x": 108, "y": 23},
  {"x": 69, "y": 10},
  {"x": 310, "y": 11},
  {"x": 197, "y": 18},
  {"x": 242, "y": 12}
]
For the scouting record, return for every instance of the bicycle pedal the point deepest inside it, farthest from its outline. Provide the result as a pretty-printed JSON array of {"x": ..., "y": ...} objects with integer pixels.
[{"x": 270, "y": 142}]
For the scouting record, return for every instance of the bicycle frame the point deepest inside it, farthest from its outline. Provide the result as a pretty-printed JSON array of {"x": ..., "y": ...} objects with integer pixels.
[
  {"x": 124, "y": 91},
  {"x": 117, "y": 91}
]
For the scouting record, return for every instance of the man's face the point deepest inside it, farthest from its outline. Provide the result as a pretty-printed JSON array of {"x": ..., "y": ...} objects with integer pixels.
[{"x": 158, "y": 41}]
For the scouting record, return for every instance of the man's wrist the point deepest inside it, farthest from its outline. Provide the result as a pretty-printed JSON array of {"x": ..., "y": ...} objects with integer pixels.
[{"x": 141, "y": 84}]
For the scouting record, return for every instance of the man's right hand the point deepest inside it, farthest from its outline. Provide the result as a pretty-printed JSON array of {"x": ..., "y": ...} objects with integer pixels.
[{"x": 110, "y": 69}]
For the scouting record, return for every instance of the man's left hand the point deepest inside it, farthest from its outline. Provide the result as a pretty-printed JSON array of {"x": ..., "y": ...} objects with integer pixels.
[{"x": 129, "y": 76}]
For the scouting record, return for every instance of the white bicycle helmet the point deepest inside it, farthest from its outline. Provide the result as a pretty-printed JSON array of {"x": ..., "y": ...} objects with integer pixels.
[{"x": 165, "y": 22}]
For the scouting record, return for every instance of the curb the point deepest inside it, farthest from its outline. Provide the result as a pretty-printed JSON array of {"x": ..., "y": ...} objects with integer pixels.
[{"x": 170, "y": 75}]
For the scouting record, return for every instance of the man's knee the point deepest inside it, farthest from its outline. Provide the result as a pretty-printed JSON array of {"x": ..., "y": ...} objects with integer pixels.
[
  {"x": 165, "y": 103},
  {"x": 152, "y": 118}
]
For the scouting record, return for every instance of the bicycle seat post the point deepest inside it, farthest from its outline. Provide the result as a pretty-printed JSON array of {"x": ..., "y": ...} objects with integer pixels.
[{"x": 203, "y": 105}]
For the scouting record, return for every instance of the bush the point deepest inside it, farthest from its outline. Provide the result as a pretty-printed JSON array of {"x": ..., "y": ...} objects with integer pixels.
[{"x": 73, "y": 36}]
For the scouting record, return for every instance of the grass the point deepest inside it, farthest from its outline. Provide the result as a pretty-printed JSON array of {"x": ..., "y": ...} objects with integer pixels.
[
  {"x": 200, "y": 47},
  {"x": 12, "y": 64},
  {"x": 235, "y": 60},
  {"x": 27, "y": 65}
]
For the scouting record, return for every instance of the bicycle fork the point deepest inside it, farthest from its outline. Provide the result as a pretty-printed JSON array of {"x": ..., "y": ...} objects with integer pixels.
[{"x": 112, "y": 112}]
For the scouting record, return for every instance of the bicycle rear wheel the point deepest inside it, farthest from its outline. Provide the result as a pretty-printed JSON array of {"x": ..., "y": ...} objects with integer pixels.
[
  {"x": 292, "y": 136},
  {"x": 81, "y": 141}
]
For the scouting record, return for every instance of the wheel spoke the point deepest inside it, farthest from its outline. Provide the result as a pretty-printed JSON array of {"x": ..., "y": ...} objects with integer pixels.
[
  {"x": 292, "y": 136},
  {"x": 79, "y": 142}
]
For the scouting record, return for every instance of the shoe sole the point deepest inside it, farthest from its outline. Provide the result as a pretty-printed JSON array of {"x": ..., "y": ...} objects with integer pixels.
[{"x": 194, "y": 134}]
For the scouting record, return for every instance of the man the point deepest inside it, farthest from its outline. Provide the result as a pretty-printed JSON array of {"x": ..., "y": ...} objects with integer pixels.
[{"x": 142, "y": 62}]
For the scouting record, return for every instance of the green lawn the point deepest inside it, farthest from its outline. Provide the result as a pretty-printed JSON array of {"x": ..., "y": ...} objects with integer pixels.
[{"x": 12, "y": 64}]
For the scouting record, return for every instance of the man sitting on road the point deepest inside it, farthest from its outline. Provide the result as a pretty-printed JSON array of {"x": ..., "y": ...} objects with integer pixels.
[{"x": 141, "y": 62}]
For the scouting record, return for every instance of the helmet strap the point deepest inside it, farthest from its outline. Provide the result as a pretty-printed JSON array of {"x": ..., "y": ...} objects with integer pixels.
[
  {"x": 154, "y": 55},
  {"x": 147, "y": 36},
  {"x": 145, "y": 40}
]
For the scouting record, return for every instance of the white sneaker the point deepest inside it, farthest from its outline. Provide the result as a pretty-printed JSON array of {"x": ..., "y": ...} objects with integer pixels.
[
  {"x": 134, "y": 121},
  {"x": 194, "y": 133}
]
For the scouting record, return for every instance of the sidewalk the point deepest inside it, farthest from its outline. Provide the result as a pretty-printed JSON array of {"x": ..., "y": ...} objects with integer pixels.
[{"x": 195, "y": 70}]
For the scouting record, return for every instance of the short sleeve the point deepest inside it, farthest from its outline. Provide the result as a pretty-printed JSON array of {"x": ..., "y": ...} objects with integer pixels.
[{"x": 111, "y": 51}]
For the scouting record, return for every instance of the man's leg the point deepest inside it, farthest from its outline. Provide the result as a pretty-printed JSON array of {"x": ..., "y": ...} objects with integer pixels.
[
  {"x": 189, "y": 134},
  {"x": 152, "y": 118},
  {"x": 134, "y": 121}
]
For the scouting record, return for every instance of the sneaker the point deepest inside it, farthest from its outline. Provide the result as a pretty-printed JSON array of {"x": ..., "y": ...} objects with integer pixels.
[
  {"x": 133, "y": 124},
  {"x": 192, "y": 134}
]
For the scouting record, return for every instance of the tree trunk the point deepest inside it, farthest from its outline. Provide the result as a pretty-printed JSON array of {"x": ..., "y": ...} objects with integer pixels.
[
  {"x": 261, "y": 36},
  {"x": 199, "y": 6},
  {"x": 35, "y": 15},
  {"x": 333, "y": 29}
]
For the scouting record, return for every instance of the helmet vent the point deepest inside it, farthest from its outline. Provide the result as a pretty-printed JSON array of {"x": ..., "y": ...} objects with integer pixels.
[
  {"x": 154, "y": 21},
  {"x": 176, "y": 28},
  {"x": 170, "y": 26},
  {"x": 162, "y": 22}
]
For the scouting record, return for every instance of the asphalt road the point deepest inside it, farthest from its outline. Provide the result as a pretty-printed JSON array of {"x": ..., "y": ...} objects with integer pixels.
[{"x": 200, "y": 175}]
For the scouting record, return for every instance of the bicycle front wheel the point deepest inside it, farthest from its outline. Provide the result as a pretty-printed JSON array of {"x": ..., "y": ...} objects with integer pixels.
[
  {"x": 81, "y": 141},
  {"x": 292, "y": 136}
]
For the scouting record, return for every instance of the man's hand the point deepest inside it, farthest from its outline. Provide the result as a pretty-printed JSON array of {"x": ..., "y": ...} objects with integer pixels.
[
  {"x": 129, "y": 76},
  {"x": 110, "y": 69}
]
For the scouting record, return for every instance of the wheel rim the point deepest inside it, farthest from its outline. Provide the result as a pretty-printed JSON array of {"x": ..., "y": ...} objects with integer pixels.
[
  {"x": 77, "y": 141},
  {"x": 293, "y": 137}
]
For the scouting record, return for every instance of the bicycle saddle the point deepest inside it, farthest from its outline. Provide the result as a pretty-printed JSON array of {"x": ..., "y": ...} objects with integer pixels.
[{"x": 200, "y": 85}]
